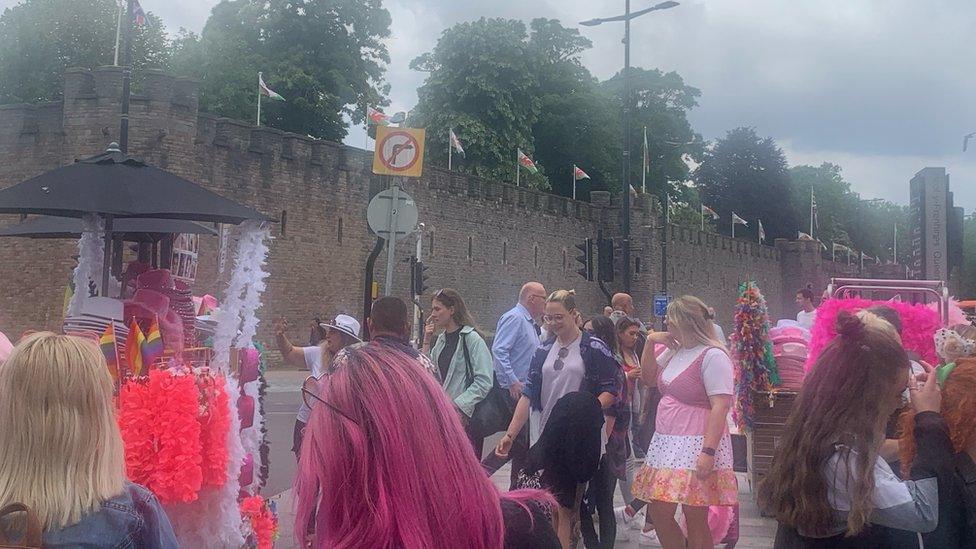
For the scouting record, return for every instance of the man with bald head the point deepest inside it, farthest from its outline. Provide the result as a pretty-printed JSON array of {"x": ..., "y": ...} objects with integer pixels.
[
  {"x": 625, "y": 303},
  {"x": 516, "y": 339}
]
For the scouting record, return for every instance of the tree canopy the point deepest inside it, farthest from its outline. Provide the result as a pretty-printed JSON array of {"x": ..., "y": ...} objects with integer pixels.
[
  {"x": 39, "y": 39},
  {"x": 326, "y": 58}
]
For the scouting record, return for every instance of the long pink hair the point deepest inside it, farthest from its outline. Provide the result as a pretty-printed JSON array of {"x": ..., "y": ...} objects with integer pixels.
[{"x": 399, "y": 471}]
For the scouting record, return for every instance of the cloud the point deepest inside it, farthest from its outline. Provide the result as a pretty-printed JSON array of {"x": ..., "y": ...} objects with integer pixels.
[{"x": 881, "y": 87}]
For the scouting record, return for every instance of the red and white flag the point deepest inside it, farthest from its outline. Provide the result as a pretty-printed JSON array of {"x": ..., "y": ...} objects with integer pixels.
[
  {"x": 579, "y": 174},
  {"x": 526, "y": 162},
  {"x": 377, "y": 117},
  {"x": 455, "y": 142},
  {"x": 705, "y": 210},
  {"x": 138, "y": 14},
  {"x": 762, "y": 232},
  {"x": 736, "y": 220}
]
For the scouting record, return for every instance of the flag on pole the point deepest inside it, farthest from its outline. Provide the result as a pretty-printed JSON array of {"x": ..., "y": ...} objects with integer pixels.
[
  {"x": 762, "y": 232},
  {"x": 108, "y": 345},
  {"x": 526, "y": 162},
  {"x": 803, "y": 236},
  {"x": 266, "y": 91},
  {"x": 840, "y": 248},
  {"x": 455, "y": 142},
  {"x": 153, "y": 347},
  {"x": 736, "y": 220},
  {"x": 377, "y": 117},
  {"x": 133, "y": 348},
  {"x": 138, "y": 14},
  {"x": 579, "y": 174},
  {"x": 647, "y": 155},
  {"x": 705, "y": 210}
]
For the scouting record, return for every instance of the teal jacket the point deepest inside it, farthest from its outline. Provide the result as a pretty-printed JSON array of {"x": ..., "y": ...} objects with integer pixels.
[{"x": 466, "y": 394}]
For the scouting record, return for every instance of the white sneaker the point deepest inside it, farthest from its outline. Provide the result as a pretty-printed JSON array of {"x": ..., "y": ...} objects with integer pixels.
[
  {"x": 648, "y": 538},
  {"x": 623, "y": 518}
]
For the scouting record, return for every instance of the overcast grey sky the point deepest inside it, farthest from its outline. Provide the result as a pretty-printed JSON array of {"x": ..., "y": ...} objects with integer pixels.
[{"x": 881, "y": 87}]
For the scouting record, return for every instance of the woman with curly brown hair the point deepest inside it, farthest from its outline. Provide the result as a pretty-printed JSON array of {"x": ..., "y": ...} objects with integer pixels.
[
  {"x": 828, "y": 486},
  {"x": 957, "y": 478}
]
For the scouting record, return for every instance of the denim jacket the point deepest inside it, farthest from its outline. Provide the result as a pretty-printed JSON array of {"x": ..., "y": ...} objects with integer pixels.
[
  {"x": 133, "y": 519},
  {"x": 603, "y": 373}
]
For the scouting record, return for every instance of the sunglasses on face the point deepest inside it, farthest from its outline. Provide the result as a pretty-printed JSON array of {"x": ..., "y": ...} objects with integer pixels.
[{"x": 308, "y": 392}]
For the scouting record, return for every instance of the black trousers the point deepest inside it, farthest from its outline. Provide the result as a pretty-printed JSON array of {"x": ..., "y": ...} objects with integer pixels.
[{"x": 599, "y": 497}]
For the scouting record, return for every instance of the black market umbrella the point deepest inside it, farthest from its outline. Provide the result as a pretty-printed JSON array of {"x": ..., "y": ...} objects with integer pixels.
[
  {"x": 115, "y": 185},
  {"x": 130, "y": 229}
]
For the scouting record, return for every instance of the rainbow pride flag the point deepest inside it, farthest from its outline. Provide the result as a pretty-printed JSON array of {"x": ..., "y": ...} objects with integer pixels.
[
  {"x": 153, "y": 347},
  {"x": 108, "y": 345},
  {"x": 133, "y": 348}
]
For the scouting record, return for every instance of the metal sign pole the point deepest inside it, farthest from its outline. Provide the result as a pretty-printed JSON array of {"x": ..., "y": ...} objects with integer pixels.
[{"x": 391, "y": 239}]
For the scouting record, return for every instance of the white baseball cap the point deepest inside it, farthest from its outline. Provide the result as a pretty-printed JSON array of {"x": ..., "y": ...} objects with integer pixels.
[{"x": 345, "y": 324}]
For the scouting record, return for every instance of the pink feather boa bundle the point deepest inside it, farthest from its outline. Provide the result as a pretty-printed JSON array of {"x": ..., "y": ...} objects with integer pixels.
[{"x": 919, "y": 323}]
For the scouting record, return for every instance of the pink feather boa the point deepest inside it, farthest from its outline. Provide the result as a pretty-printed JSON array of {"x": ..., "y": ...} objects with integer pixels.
[{"x": 919, "y": 323}]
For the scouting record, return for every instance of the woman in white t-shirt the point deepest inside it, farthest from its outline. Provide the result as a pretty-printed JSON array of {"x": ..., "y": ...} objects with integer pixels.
[{"x": 689, "y": 461}]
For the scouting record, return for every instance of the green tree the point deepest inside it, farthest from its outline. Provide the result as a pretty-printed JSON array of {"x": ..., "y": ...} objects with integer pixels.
[
  {"x": 747, "y": 174},
  {"x": 326, "y": 58},
  {"x": 481, "y": 81},
  {"x": 39, "y": 39},
  {"x": 662, "y": 101},
  {"x": 966, "y": 277}
]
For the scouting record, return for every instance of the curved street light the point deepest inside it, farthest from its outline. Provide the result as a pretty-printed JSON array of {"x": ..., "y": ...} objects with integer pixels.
[{"x": 625, "y": 181}]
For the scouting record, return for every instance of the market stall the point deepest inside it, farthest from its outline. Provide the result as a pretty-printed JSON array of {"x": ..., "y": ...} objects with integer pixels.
[{"x": 188, "y": 388}]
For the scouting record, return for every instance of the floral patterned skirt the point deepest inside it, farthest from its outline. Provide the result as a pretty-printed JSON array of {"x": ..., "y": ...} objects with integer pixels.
[{"x": 669, "y": 473}]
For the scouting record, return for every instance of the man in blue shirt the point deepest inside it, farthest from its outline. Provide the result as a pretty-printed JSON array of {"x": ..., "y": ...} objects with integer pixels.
[{"x": 516, "y": 340}]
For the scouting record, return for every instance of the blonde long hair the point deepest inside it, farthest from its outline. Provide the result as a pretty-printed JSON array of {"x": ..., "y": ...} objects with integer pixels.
[
  {"x": 690, "y": 315},
  {"x": 61, "y": 452}
]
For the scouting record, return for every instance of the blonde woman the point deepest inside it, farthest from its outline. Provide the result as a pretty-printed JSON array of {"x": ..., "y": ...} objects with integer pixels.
[
  {"x": 61, "y": 452},
  {"x": 689, "y": 461}
]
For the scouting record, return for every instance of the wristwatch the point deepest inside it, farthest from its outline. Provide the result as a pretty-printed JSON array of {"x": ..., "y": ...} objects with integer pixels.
[{"x": 708, "y": 451}]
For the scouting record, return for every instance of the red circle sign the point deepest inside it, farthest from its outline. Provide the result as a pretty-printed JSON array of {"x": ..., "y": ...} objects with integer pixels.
[{"x": 398, "y": 151}]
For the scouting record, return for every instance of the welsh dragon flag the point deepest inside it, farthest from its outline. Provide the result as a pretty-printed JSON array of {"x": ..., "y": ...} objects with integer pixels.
[
  {"x": 265, "y": 90},
  {"x": 579, "y": 174},
  {"x": 705, "y": 210},
  {"x": 527, "y": 162},
  {"x": 377, "y": 117}
]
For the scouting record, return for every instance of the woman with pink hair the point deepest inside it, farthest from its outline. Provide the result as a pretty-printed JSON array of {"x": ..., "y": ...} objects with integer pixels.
[{"x": 386, "y": 464}]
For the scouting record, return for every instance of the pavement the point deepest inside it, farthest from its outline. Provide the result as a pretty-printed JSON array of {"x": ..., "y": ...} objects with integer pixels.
[{"x": 281, "y": 404}]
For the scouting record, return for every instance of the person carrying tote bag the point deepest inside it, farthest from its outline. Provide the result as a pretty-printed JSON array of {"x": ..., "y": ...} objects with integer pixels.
[{"x": 466, "y": 370}]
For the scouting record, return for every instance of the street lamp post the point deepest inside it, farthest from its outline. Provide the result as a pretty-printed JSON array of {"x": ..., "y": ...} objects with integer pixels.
[{"x": 628, "y": 105}]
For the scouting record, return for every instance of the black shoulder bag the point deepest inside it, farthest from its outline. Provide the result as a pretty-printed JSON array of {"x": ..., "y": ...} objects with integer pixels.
[{"x": 494, "y": 413}]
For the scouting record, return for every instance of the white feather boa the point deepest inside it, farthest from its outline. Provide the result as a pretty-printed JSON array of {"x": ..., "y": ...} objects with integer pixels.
[
  {"x": 214, "y": 519},
  {"x": 91, "y": 256},
  {"x": 251, "y": 436}
]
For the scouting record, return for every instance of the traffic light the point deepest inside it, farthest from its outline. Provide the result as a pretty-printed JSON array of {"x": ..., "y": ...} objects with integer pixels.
[
  {"x": 605, "y": 259},
  {"x": 585, "y": 259},
  {"x": 419, "y": 276}
]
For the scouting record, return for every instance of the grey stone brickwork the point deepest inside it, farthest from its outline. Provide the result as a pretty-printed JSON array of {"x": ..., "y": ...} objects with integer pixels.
[{"x": 486, "y": 238}]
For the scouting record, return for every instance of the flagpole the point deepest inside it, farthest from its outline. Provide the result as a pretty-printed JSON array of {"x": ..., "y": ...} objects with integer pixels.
[
  {"x": 644, "y": 168},
  {"x": 259, "y": 99},
  {"x": 703, "y": 217},
  {"x": 833, "y": 253},
  {"x": 450, "y": 149},
  {"x": 733, "y": 224},
  {"x": 118, "y": 33},
  {"x": 811, "y": 212},
  {"x": 894, "y": 249},
  {"x": 574, "y": 181},
  {"x": 518, "y": 168}
]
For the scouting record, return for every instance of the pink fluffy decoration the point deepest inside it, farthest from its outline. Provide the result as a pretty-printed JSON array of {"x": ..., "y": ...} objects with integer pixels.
[{"x": 919, "y": 323}]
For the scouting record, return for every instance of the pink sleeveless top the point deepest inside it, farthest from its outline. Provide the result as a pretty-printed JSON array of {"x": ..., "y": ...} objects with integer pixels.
[{"x": 684, "y": 406}]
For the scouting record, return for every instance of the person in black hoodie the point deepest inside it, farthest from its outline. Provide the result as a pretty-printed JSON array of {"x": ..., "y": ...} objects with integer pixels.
[
  {"x": 828, "y": 486},
  {"x": 957, "y": 476}
]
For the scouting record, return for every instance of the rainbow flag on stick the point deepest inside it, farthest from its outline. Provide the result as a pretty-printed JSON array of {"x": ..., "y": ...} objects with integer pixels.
[
  {"x": 153, "y": 347},
  {"x": 133, "y": 348},
  {"x": 108, "y": 345}
]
